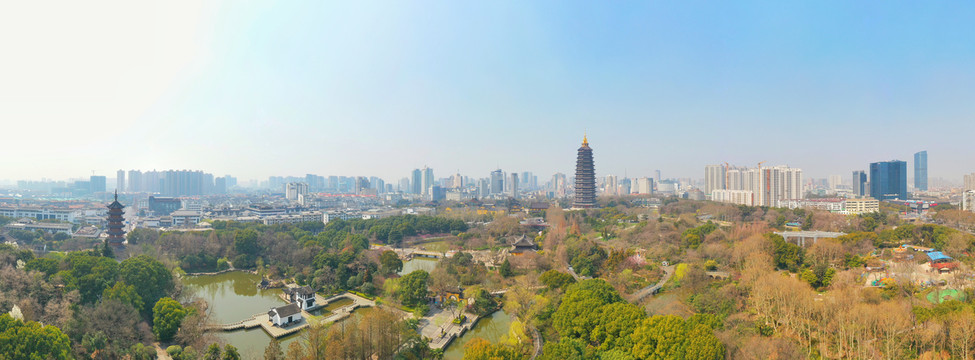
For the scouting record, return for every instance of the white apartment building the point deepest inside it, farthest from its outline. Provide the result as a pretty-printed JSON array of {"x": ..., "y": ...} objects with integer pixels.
[
  {"x": 644, "y": 186},
  {"x": 740, "y": 197},
  {"x": 768, "y": 185}
]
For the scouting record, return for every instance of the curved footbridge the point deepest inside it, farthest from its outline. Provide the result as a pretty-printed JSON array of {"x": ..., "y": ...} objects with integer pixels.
[{"x": 264, "y": 321}]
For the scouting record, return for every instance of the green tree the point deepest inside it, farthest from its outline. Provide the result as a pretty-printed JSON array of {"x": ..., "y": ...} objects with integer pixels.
[
  {"x": 413, "y": 288},
  {"x": 167, "y": 314},
  {"x": 614, "y": 324},
  {"x": 390, "y": 262},
  {"x": 787, "y": 256},
  {"x": 701, "y": 344},
  {"x": 150, "y": 278},
  {"x": 505, "y": 269},
  {"x": 245, "y": 242},
  {"x": 568, "y": 349},
  {"x": 31, "y": 340},
  {"x": 480, "y": 349},
  {"x": 44, "y": 265},
  {"x": 555, "y": 279},
  {"x": 125, "y": 294},
  {"x": 212, "y": 353},
  {"x": 659, "y": 337},
  {"x": 230, "y": 353},
  {"x": 575, "y": 316}
]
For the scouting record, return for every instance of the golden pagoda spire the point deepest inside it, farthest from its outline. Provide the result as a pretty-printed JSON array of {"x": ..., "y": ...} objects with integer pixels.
[{"x": 585, "y": 139}]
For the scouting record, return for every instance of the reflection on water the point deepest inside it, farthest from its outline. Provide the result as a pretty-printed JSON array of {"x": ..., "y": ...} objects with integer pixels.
[
  {"x": 234, "y": 296},
  {"x": 418, "y": 263},
  {"x": 491, "y": 328}
]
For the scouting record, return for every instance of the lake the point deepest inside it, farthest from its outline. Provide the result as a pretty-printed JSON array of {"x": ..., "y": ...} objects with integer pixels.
[
  {"x": 419, "y": 263},
  {"x": 490, "y": 328},
  {"x": 234, "y": 296}
]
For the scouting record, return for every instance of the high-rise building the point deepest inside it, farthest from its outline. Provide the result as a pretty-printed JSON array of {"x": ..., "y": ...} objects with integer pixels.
[
  {"x": 497, "y": 181},
  {"x": 859, "y": 183},
  {"x": 766, "y": 186},
  {"x": 969, "y": 182},
  {"x": 611, "y": 185},
  {"x": 835, "y": 181},
  {"x": 585, "y": 190},
  {"x": 714, "y": 178},
  {"x": 417, "y": 182},
  {"x": 120, "y": 180},
  {"x": 921, "y": 170},
  {"x": 968, "y": 200},
  {"x": 644, "y": 186},
  {"x": 115, "y": 226},
  {"x": 220, "y": 185},
  {"x": 888, "y": 180},
  {"x": 97, "y": 183},
  {"x": 135, "y": 181},
  {"x": 513, "y": 183},
  {"x": 427, "y": 179},
  {"x": 295, "y": 191}
]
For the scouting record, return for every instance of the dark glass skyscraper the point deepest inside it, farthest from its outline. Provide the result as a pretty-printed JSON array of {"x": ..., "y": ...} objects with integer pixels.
[
  {"x": 888, "y": 180},
  {"x": 585, "y": 177},
  {"x": 921, "y": 170}
]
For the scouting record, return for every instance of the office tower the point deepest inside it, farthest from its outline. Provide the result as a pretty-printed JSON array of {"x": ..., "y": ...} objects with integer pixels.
[
  {"x": 427, "y": 180},
  {"x": 513, "y": 184},
  {"x": 456, "y": 181},
  {"x": 361, "y": 185},
  {"x": 404, "y": 185},
  {"x": 714, "y": 178},
  {"x": 859, "y": 183},
  {"x": 497, "y": 181},
  {"x": 115, "y": 226},
  {"x": 120, "y": 180},
  {"x": 921, "y": 171},
  {"x": 97, "y": 183},
  {"x": 295, "y": 191},
  {"x": 585, "y": 196},
  {"x": 625, "y": 186},
  {"x": 483, "y": 187},
  {"x": 417, "y": 182},
  {"x": 888, "y": 180}
]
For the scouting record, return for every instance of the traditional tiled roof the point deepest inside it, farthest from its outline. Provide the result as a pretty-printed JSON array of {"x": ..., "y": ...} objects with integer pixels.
[{"x": 286, "y": 310}]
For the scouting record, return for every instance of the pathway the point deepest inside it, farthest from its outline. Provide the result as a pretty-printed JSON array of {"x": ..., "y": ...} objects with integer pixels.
[{"x": 653, "y": 289}]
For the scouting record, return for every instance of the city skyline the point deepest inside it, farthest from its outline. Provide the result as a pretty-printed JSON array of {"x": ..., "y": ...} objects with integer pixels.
[{"x": 263, "y": 89}]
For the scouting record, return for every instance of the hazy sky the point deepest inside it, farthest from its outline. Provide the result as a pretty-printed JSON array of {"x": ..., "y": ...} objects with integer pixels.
[{"x": 359, "y": 88}]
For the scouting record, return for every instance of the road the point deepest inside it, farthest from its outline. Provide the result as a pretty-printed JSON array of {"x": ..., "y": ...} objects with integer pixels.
[{"x": 652, "y": 289}]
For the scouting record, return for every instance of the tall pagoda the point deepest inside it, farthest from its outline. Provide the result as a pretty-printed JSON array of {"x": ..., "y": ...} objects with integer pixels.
[
  {"x": 116, "y": 234},
  {"x": 585, "y": 177}
]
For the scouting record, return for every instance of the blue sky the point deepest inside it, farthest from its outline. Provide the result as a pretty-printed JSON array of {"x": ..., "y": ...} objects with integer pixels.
[{"x": 379, "y": 88}]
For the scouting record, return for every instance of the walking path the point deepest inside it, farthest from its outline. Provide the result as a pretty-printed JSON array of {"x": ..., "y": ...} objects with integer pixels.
[{"x": 653, "y": 289}]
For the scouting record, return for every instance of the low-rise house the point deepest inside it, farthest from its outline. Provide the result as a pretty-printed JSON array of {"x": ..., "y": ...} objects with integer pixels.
[
  {"x": 285, "y": 315},
  {"x": 302, "y": 296}
]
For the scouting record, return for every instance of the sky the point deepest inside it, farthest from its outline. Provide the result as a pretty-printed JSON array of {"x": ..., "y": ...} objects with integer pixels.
[{"x": 261, "y": 88}]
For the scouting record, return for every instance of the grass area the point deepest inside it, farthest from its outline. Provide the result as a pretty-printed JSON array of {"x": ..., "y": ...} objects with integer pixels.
[{"x": 438, "y": 246}]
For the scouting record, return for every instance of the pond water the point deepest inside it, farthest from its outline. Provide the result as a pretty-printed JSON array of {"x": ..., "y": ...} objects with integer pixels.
[
  {"x": 490, "y": 328},
  {"x": 419, "y": 263},
  {"x": 234, "y": 296}
]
